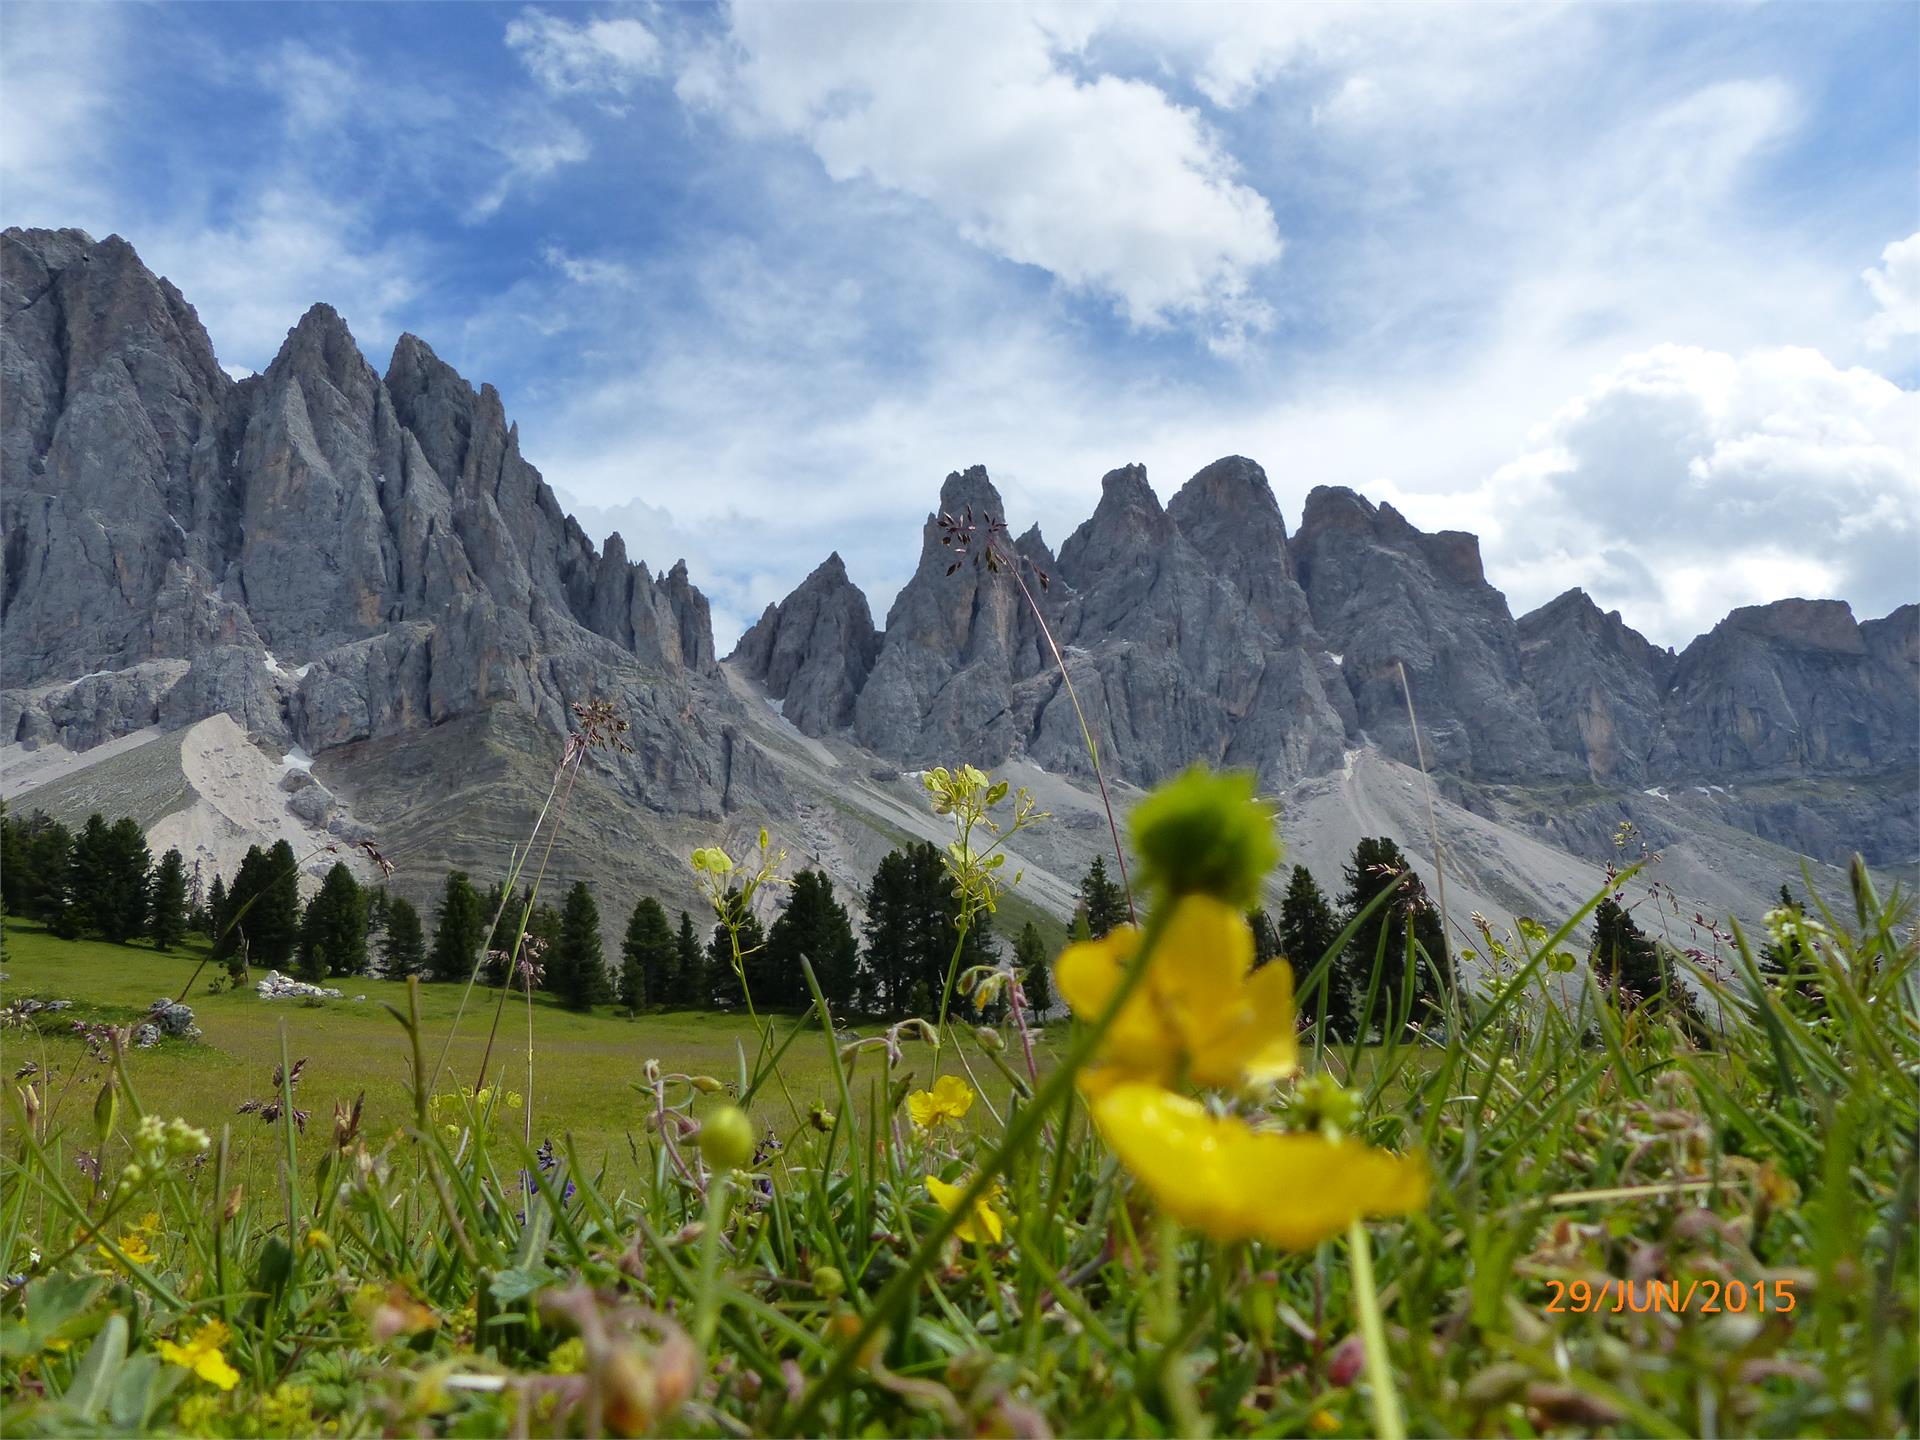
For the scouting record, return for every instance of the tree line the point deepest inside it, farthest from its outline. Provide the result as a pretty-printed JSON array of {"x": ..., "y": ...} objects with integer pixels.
[{"x": 102, "y": 880}]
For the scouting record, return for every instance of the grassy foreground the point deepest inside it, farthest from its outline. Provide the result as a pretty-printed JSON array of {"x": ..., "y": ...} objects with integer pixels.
[
  {"x": 1181, "y": 1225},
  {"x": 584, "y": 1082}
]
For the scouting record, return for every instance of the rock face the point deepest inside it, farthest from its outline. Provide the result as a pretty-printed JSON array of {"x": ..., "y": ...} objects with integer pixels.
[
  {"x": 366, "y": 567},
  {"x": 1601, "y": 687},
  {"x": 328, "y": 555},
  {"x": 814, "y": 650}
]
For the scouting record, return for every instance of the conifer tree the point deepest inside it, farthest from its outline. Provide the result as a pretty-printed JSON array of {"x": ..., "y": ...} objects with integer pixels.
[
  {"x": 16, "y": 874},
  {"x": 215, "y": 914},
  {"x": 1382, "y": 942},
  {"x": 49, "y": 894},
  {"x": 815, "y": 925},
  {"x": 333, "y": 938},
  {"x": 1266, "y": 940},
  {"x": 1030, "y": 959},
  {"x": 167, "y": 906},
  {"x": 584, "y": 982},
  {"x": 646, "y": 957},
  {"x": 276, "y": 917},
  {"x": 721, "y": 984},
  {"x": 1307, "y": 929},
  {"x": 405, "y": 949},
  {"x": 685, "y": 985},
  {"x": 459, "y": 927},
  {"x": 1106, "y": 902}
]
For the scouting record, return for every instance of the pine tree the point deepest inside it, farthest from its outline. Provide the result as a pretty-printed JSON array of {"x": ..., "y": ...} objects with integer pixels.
[
  {"x": 167, "y": 906},
  {"x": 1381, "y": 943},
  {"x": 911, "y": 934},
  {"x": 308, "y": 963},
  {"x": 683, "y": 986},
  {"x": 1629, "y": 967},
  {"x": 1106, "y": 902},
  {"x": 884, "y": 976},
  {"x": 49, "y": 892},
  {"x": 215, "y": 914},
  {"x": 646, "y": 957},
  {"x": 459, "y": 927},
  {"x": 580, "y": 963},
  {"x": 814, "y": 925},
  {"x": 405, "y": 950},
  {"x": 1266, "y": 940},
  {"x": 1030, "y": 959},
  {"x": 721, "y": 983},
  {"x": 1307, "y": 929},
  {"x": 16, "y": 872},
  {"x": 109, "y": 877},
  {"x": 234, "y": 920},
  {"x": 275, "y": 927},
  {"x": 333, "y": 938}
]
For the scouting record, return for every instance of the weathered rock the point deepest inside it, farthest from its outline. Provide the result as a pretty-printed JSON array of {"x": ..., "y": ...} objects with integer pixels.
[
  {"x": 1601, "y": 687},
  {"x": 814, "y": 650},
  {"x": 1386, "y": 595}
]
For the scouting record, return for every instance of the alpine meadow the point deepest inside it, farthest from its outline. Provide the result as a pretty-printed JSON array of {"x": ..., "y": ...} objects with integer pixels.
[{"x": 1409, "y": 935}]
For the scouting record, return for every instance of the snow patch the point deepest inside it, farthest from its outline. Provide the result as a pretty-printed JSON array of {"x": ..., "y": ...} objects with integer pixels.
[
  {"x": 297, "y": 673},
  {"x": 297, "y": 759},
  {"x": 1657, "y": 793},
  {"x": 1336, "y": 657},
  {"x": 779, "y": 707}
]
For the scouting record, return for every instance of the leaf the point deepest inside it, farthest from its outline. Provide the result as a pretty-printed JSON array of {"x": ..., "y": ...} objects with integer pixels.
[
  {"x": 52, "y": 1302},
  {"x": 509, "y": 1286},
  {"x": 94, "y": 1380},
  {"x": 136, "y": 1395}
]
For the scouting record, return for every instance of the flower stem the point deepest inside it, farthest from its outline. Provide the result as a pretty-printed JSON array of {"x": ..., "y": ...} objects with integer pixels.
[{"x": 1388, "y": 1422}]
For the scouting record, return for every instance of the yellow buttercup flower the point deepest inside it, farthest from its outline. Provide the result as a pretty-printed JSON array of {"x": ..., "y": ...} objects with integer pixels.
[
  {"x": 1231, "y": 1181},
  {"x": 983, "y": 1226},
  {"x": 202, "y": 1355},
  {"x": 133, "y": 1245},
  {"x": 950, "y": 1099},
  {"x": 1202, "y": 1011}
]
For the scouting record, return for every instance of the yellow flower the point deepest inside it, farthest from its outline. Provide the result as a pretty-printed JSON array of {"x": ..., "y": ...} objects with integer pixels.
[
  {"x": 202, "y": 1355},
  {"x": 149, "y": 1223},
  {"x": 950, "y": 1099},
  {"x": 132, "y": 1245},
  {"x": 983, "y": 1226},
  {"x": 1202, "y": 1010},
  {"x": 1230, "y": 1181}
]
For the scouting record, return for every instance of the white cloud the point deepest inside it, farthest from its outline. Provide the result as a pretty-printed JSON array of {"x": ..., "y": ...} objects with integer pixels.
[
  {"x": 1895, "y": 285},
  {"x": 1104, "y": 182},
  {"x": 532, "y": 145},
  {"x": 1686, "y": 481},
  {"x": 58, "y": 71},
  {"x": 592, "y": 271},
  {"x": 252, "y": 276},
  {"x": 608, "y": 56}
]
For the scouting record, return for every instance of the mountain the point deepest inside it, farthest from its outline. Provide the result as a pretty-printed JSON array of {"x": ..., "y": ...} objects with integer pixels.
[{"x": 334, "y": 604}]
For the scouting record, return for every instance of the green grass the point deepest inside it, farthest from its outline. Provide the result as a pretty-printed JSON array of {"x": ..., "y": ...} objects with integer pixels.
[
  {"x": 585, "y": 1064},
  {"x": 404, "y": 1280}
]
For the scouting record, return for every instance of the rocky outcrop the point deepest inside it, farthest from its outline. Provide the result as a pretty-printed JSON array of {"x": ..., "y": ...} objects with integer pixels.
[
  {"x": 1798, "y": 687},
  {"x": 1601, "y": 687},
  {"x": 814, "y": 650},
  {"x": 1385, "y": 596},
  {"x": 326, "y": 554}
]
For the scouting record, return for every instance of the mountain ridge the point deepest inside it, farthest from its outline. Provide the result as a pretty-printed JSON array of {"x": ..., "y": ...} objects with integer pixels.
[{"x": 363, "y": 568}]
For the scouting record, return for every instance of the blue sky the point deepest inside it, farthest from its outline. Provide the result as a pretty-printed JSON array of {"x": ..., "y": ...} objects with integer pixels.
[{"x": 1633, "y": 291}]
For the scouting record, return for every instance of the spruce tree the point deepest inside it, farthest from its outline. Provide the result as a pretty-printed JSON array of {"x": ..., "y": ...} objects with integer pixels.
[
  {"x": 646, "y": 957},
  {"x": 1382, "y": 941},
  {"x": 814, "y": 925},
  {"x": 167, "y": 906},
  {"x": 334, "y": 932},
  {"x": 459, "y": 928},
  {"x": 684, "y": 986},
  {"x": 1106, "y": 902},
  {"x": 721, "y": 984},
  {"x": 308, "y": 963},
  {"x": 884, "y": 975},
  {"x": 16, "y": 870},
  {"x": 49, "y": 891},
  {"x": 1030, "y": 959},
  {"x": 1307, "y": 929},
  {"x": 405, "y": 949},
  {"x": 581, "y": 965},
  {"x": 1266, "y": 940},
  {"x": 275, "y": 928},
  {"x": 234, "y": 920},
  {"x": 215, "y": 913}
]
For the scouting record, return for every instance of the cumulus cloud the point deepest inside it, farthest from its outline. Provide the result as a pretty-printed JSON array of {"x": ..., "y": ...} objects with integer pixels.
[
  {"x": 252, "y": 276},
  {"x": 982, "y": 112},
  {"x": 58, "y": 71},
  {"x": 1686, "y": 481},
  {"x": 1895, "y": 286},
  {"x": 600, "y": 56}
]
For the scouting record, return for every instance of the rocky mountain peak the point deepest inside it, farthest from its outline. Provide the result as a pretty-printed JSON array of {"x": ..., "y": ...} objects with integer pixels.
[
  {"x": 814, "y": 650},
  {"x": 1826, "y": 625}
]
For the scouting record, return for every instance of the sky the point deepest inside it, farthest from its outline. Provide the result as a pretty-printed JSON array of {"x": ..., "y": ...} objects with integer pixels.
[{"x": 1631, "y": 291}]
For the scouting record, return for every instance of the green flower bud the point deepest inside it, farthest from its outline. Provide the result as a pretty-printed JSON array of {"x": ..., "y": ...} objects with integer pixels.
[
  {"x": 820, "y": 1117},
  {"x": 990, "y": 1039},
  {"x": 828, "y": 1282},
  {"x": 705, "y": 1084},
  {"x": 726, "y": 1138},
  {"x": 105, "y": 1109},
  {"x": 1205, "y": 833}
]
